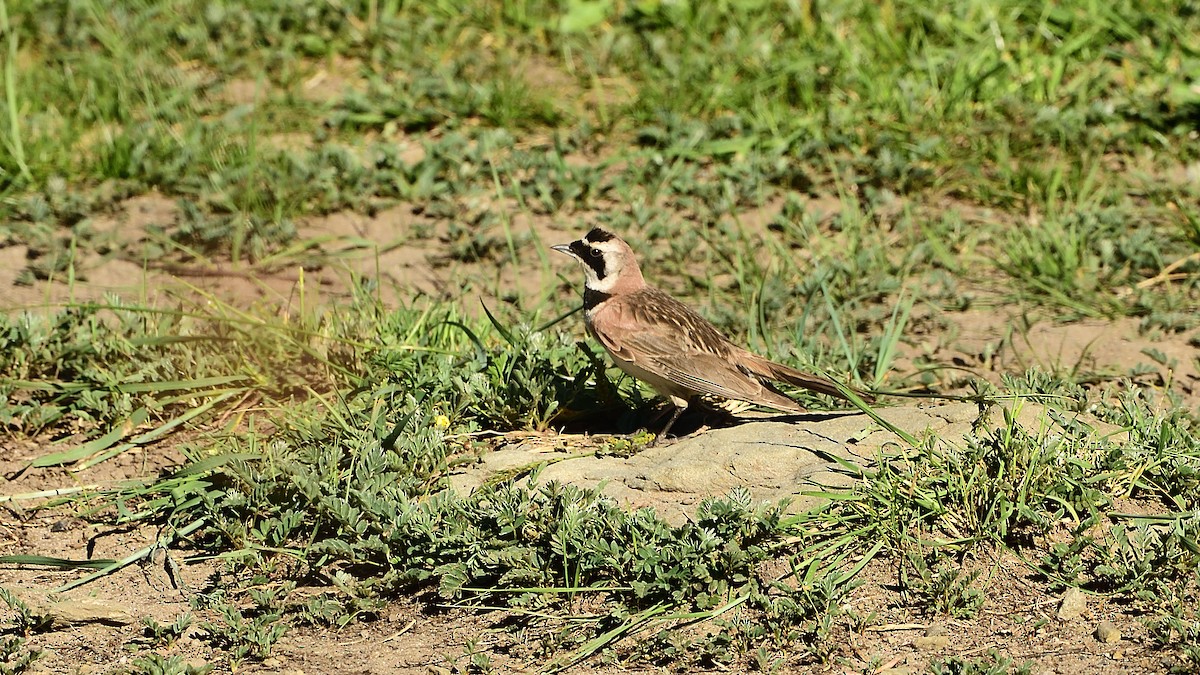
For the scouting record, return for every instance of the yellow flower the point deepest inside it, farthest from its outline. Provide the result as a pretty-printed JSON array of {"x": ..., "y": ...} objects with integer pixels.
[{"x": 441, "y": 422}]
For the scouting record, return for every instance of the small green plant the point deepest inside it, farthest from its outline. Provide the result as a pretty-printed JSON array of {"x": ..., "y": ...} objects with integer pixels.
[
  {"x": 166, "y": 634},
  {"x": 23, "y": 617},
  {"x": 242, "y": 634},
  {"x": 1060, "y": 260},
  {"x": 355, "y": 599},
  {"x": 157, "y": 664},
  {"x": 764, "y": 661},
  {"x": 991, "y": 664},
  {"x": 804, "y": 618},
  {"x": 626, "y": 446},
  {"x": 478, "y": 659},
  {"x": 941, "y": 589},
  {"x": 16, "y": 656},
  {"x": 529, "y": 379},
  {"x": 1178, "y": 622}
]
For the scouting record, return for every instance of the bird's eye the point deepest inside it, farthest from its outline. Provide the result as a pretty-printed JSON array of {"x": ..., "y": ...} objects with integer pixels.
[{"x": 595, "y": 253}]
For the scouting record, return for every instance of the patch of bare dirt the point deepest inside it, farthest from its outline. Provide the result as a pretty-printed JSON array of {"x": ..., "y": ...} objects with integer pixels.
[
  {"x": 987, "y": 342},
  {"x": 414, "y": 256},
  {"x": 100, "y": 276},
  {"x": 410, "y": 255},
  {"x": 333, "y": 78},
  {"x": 385, "y": 246},
  {"x": 328, "y": 79},
  {"x": 97, "y": 275},
  {"x": 1019, "y": 620},
  {"x": 152, "y": 283}
]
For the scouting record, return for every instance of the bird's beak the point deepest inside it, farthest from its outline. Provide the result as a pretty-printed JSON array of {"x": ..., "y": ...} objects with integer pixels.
[{"x": 563, "y": 248}]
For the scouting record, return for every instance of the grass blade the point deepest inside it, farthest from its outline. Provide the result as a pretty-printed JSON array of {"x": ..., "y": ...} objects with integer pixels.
[
  {"x": 46, "y": 561},
  {"x": 162, "y": 542}
]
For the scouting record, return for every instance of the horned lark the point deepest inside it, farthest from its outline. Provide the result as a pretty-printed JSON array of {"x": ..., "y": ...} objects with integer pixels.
[{"x": 662, "y": 342}]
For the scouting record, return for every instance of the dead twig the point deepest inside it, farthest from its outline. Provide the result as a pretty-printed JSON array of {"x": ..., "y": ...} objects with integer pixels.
[{"x": 1168, "y": 273}]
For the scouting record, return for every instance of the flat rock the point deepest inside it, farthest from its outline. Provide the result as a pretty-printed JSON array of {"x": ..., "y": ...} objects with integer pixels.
[
  {"x": 931, "y": 643},
  {"x": 791, "y": 456},
  {"x": 59, "y": 611}
]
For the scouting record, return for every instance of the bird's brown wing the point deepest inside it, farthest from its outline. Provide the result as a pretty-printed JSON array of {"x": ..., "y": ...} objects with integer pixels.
[{"x": 659, "y": 335}]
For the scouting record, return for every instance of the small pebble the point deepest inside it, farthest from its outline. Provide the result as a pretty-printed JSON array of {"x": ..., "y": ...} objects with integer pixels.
[
  {"x": 934, "y": 631},
  {"x": 1074, "y": 602},
  {"x": 66, "y": 524},
  {"x": 1107, "y": 632}
]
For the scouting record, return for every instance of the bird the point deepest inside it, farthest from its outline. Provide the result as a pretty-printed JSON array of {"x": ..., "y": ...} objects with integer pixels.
[{"x": 664, "y": 343}]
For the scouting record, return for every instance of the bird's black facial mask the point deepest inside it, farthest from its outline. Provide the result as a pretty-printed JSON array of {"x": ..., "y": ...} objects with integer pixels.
[{"x": 590, "y": 255}]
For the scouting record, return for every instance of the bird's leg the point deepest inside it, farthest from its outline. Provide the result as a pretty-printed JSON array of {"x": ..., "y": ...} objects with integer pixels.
[{"x": 663, "y": 434}]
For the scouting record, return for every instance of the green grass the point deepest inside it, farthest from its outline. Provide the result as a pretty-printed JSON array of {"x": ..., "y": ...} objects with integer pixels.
[{"x": 829, "y": 182}]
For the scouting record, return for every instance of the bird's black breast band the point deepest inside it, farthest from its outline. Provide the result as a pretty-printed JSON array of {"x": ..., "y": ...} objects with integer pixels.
[{"x": 591, "y": 299}]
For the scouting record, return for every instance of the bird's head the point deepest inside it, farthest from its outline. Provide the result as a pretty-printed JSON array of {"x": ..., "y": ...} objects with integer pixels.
[{"x": 608, "y": 262}]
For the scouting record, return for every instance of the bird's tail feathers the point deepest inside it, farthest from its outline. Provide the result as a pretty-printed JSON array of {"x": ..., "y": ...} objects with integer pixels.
[{"x": 782, "y": 373}]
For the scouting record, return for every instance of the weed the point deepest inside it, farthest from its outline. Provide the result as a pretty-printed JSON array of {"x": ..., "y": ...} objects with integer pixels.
[
  {"x": 536, "y": 373},
  {"x": 803, "y": 619},
  {"x": 1177, "y": 624},
  {"x": 355, "y": 601},
  {"x": 478, "y": 660},
  {"x": 992, "y": 664},
  {"x": 625, "y": 447},
  {"x": 157, "y": 664},
  {"x": 1005, "y": 483},
  {"x": 24, "y": 618},
  {"x": 943, "y": 589},
  {"x": 16, "y": 656},
  {"x": 166, "y": 634},
  {"x": 243, "y": 635}
]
